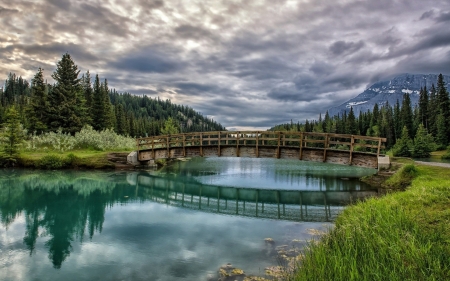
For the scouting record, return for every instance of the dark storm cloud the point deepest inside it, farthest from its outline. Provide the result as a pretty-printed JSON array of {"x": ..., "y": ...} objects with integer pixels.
[
  {"x": 191, "y": 88},
  {"x": 194, "y": 32},
  {"x": 427, "y": 15},
  {"x": 150, "y": 61},
  {"x": 6, "y": 12},
  {"x": 443, "y": 17},
  {"x": 343, "y": 48},
  {"x": 60, "y": 4}
]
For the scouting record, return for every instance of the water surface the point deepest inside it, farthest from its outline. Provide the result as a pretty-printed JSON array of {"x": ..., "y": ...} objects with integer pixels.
[{"x": 180, "y": 223}]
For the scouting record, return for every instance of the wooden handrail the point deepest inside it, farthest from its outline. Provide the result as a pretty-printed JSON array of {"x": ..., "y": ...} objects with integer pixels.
[{"x": 259, "y": 139}]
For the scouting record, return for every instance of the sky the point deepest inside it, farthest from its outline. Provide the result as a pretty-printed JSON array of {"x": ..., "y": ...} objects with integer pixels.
[{"x": 247, "y": 64}]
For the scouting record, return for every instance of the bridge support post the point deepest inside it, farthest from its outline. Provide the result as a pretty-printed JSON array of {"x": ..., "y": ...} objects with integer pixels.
[
  {"x": 278, "y": 149},
  {"x": 301, "y": 146},
  {"x": 257, "y": 151},
  {"x": 351, "y": 149},
  {"x": 325, "y": 146},
  {"x": 184, "y": 145},
  {"x": 237, "y": 144},
  {"x": 218, "y": 144},
  {"x": 201, "y": 144}
]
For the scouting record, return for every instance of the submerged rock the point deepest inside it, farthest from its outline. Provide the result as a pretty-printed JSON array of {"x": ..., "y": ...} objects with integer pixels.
[{"x": 228, "y": 272}]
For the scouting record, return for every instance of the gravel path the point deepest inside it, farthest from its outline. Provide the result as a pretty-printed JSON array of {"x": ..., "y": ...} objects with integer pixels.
[{"x": 445, "y": 165}]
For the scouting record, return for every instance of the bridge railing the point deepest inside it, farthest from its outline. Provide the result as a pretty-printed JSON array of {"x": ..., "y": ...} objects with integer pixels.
[{"x": 265, "y": 138}]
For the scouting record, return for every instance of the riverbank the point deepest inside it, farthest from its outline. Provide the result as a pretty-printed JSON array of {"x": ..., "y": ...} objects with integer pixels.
[
  {"x": 77, "y": 159},
  {"x": 401, "y": 236}
]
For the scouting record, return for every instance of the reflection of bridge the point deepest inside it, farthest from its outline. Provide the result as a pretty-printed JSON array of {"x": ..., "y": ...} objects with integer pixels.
[
  {"x": 333, "y": 148},
  {"x": 296, "y": 205}
]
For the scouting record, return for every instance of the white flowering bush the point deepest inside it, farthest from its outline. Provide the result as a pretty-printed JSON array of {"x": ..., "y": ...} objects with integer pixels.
[
  {"x": 87, "y": 138},
  {"x": 58, "y": 141},
  {"x": 102, "y": 140}
]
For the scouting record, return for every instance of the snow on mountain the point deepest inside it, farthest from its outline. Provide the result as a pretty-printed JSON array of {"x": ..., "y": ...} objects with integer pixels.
[{"x": 389, "y": 91}]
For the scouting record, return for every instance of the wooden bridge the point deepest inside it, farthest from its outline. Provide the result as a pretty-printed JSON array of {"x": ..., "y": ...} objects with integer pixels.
[{"x": 320, "y": 147}]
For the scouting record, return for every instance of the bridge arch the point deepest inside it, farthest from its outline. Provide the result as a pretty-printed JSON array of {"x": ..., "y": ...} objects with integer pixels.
[{"x": 320, "y": 147}]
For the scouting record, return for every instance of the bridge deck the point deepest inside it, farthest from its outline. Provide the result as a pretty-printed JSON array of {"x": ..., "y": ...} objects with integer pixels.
[{"x": 334, "y": 148}]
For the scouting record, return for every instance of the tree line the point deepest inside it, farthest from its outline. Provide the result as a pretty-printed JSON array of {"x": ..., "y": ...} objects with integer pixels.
[
  {"x": 409, "y": 130},
  {"x": 74, "y": 101}
]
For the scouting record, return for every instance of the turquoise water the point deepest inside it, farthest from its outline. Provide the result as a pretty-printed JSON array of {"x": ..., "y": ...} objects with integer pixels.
[{"x": 180, "y": 223}]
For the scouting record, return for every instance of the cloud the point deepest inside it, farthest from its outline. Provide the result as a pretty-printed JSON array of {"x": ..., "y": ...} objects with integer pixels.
[
  {"x": 443, "y": 17},
  {"x": 150, "y": 60},
  {"x": 253, "y": 63},
  {"x": 342, "y": 47}
]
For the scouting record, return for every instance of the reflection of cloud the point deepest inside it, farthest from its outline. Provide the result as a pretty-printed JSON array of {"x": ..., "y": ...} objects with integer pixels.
[{"x": 200, "y": 54}]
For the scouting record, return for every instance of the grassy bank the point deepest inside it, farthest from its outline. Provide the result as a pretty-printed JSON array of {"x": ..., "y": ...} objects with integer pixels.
[
  {"x": 401, "y": 236},
  {"x": 88, "y": 159}
]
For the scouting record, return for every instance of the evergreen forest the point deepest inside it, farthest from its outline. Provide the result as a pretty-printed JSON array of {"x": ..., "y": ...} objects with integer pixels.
[
  {"x": 409, "y": 130},
  {"x": 75, "y": 100}
]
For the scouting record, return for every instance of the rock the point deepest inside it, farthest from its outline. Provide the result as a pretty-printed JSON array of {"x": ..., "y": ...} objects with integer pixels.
[{"x": 229, "y": 273}]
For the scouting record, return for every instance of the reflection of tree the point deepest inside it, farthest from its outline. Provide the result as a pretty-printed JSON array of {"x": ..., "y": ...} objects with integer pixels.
[{"x": 60, "y": 205}]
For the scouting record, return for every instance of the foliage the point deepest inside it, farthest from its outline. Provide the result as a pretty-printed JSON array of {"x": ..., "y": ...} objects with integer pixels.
[
  {"x": 170, "y": 127},
  {"x": 403, "y": 145},
  {"x": 403, "y": 177},
  {"x": 87, "y": 138},
  {"x": 447, "y": 154},
  {"x": 66, "y": 108},
  {"x": 423, "y": 143},
  {"x": 12, "y": 137}
]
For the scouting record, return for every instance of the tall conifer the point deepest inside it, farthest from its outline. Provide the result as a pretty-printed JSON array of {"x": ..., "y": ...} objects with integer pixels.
[
  {"x": 64, "y": 100},
  {"x": 37, "y": 109}
]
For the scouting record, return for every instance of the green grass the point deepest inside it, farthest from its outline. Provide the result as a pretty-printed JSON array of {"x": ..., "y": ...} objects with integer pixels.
[
  {"x": 401, "y": 236},
  {"x": 70, "y": 159}
]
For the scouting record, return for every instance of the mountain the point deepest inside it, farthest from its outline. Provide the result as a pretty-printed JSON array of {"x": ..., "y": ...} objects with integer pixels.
[{"x": 389, "y": 91}]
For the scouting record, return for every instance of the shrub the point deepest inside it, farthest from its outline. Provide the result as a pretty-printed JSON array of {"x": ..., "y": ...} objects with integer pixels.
[
  {"x": 447, "y": 154},
  {"x": 50, "y": 162},
  {"x": 87, "y": 138}
]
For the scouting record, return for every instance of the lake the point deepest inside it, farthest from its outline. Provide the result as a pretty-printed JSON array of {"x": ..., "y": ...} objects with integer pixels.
[{"x": 179, "y": 223}]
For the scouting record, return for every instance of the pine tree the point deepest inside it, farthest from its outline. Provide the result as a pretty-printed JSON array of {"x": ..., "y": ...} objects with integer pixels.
[
  {"x": 88, "y": 95},
  {"x": 12, "y": 137},
  {"x": 406, "y": 115},
  {"x": 444, "y": 107},
  {"x": 423, "y": 143},
  {"x": 397, "y": 120},
  {"x": 170, "y": 127},
  {"x": 37, "y": 109},
  {"x": 121, "y": 123},
  {"x": 423, "y": 106},
  {"x": 441, "y": 134},
  {"x": 351, "y": 126},
  {"x": 433, "y": 111},
  {"x": 403, "y": 145},
  {"x": 65, "y": 109}
]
